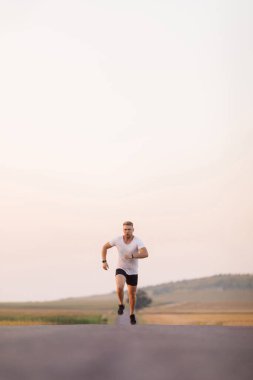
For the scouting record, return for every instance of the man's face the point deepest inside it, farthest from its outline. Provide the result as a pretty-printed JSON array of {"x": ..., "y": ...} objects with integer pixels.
[{"x": 128, "y": 231}]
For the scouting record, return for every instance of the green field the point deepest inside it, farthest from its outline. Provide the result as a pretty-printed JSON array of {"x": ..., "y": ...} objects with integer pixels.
[
  {"x": 57, "y": 319},
  {"x": 85, "y": 310}
]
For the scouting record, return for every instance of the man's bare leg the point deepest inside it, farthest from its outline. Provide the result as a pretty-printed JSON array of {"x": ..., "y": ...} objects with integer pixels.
[
  {"x": 120, "y": 283},
  {"x": 132, "y": 297}
]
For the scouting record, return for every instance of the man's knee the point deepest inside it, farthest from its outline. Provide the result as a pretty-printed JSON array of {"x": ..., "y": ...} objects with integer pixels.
[
  {"x": 131, "y": 291},
  {"x": 120, "y": 288}
]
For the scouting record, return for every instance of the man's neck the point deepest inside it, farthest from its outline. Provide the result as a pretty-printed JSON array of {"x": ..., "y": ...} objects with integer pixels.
[{"x": 127, "y": 239}]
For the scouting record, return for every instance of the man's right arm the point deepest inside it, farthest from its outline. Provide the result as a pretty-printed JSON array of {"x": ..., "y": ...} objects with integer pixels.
[{"x": 104, "y": 253}]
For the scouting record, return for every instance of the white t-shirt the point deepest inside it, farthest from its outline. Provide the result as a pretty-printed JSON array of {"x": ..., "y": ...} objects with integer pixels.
[{"x": 130, "y": 266}]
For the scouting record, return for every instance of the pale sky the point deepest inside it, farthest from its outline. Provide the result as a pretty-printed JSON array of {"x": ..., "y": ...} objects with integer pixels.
[{"x": 123, "y": 110}]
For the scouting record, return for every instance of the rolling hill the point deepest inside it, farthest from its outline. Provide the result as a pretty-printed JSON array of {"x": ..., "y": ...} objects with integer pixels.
[{"x": 221, "y": 288}]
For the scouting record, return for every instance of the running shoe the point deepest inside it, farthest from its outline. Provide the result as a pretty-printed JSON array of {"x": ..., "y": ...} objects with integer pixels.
[
  {"x": 132, "y": 319},
  {"x": 121, "y": 309}
]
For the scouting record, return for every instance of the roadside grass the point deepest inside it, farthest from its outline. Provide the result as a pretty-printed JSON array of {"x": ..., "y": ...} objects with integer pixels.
[{"x": 55, "y": 317}]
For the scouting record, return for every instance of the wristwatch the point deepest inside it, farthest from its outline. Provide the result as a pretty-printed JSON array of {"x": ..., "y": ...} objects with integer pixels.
[{"x": 103, "y": 261}]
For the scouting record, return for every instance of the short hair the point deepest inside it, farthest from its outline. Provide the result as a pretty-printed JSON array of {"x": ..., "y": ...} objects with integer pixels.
[{"x": 127, "y": 223}]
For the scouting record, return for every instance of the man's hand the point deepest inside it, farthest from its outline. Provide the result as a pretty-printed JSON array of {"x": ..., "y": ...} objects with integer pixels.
[
  {"x": 105, "y": 266},
  {"x": 128, "y": 256},
  {"x": 142, "y": 253}
]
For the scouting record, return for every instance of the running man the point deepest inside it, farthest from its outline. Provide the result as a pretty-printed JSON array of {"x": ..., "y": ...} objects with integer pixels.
[{"x": 130, "y": 248}]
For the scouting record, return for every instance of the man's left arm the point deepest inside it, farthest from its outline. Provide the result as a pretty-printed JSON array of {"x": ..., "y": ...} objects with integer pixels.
[{"x": 142, "y": 253}]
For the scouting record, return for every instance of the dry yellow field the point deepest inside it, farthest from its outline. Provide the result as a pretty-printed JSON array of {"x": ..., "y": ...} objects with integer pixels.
[
  {"x": 222, "y": 319},
  {"x": 200, "y": 313}
]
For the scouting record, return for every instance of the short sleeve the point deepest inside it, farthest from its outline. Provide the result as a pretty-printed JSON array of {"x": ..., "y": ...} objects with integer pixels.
[
  {"x": 113, "y": 241},
  {"x": 140, "y": 244}
]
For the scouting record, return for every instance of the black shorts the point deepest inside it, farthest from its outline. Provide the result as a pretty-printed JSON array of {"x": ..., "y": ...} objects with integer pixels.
[{"x": 131, "y": 279}]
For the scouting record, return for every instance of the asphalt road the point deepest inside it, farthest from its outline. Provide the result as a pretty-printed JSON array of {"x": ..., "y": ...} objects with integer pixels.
[{"x": 126, "y": 352}]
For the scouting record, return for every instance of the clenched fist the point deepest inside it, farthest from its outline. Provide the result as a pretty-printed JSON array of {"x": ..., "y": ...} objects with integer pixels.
[{"x": 105, "y": 266}]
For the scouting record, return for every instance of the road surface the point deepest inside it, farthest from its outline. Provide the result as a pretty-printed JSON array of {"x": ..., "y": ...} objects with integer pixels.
[{"x": 126, "y": 352}]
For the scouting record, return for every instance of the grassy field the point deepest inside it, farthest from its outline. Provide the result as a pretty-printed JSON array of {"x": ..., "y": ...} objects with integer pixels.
[
  {"x": 97, "y": 309},
  {"x": 28, "y": 316},
  {"x": 223, "y": 314},
  {"x": 84, "y": 310}
]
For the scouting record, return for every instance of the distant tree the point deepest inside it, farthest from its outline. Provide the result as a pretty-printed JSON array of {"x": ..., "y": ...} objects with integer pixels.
[{"x": 142, "y": 299}]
